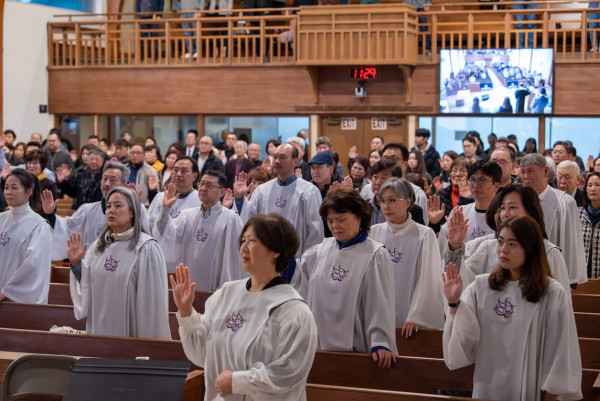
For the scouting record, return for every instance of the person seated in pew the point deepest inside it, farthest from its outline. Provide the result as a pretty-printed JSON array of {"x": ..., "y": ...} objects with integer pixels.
[
  {"x": 204, "y": 237},
  {"x": 89, "y": 219},
  {"x": 348, "y": 282},
  {"x": 415, "y": 259},
  {"x": 479, "y": 256},
  {"x": 257, "y": 338},
  {"x": 516, "y": 323},
  {"x": 120, "y": 283},
  {"x": 24, "y": 237}
]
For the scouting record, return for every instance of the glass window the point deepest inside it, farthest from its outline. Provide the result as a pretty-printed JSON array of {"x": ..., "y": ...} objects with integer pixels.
[
  {"x": 165, "y": 129},
  {"x": 523, "y": 127},
  {"x": 583, "y": 132}
]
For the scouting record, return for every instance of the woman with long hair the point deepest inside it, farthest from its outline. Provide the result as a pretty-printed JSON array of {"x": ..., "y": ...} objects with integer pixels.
[
  {"x": 374, "y": 156},
  {"x": 516, "y": 322},
  {"x": 416, "y": 163},
  {"x": 167, "y": 170},
  {"x": 589, "y": 215},
  {"x": 443, "y": 180},
  {"x": 530, "y": 146}
]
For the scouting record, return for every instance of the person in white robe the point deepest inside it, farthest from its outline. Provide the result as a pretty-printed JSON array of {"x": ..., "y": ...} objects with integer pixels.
[
  {"x": 521, "y": 333},
  {"x": 89, "y": 219},
  {"x": 415, "y": 260},
  {"x": 480, "y": 257},
  {"x": 295, "y": 199},
  {"x": 185, "y": 174},
  {"x": 348, "y": 282},
  {"x": 484, "y": 180},
  {"x": 257, "y": 338},
  {"x": 203, "y": 238},
  {"x": 120, "y": 283},
  {"x": 560, "y": 216},
  {"x": 24, "y": 238}
]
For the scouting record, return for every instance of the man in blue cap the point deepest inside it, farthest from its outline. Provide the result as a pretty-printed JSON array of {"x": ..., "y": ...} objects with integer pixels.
[{"x": 321, "y": 170}]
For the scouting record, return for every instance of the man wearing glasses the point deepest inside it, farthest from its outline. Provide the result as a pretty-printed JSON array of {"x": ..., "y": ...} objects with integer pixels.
[
  {"x": 505, "y": 158},
  {"x": 203, "y": 238},
  {"x": 140, "y": 171}
]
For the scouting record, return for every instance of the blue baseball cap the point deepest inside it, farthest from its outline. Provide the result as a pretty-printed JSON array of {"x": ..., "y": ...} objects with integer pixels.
[{"x": 322, "y": 158}]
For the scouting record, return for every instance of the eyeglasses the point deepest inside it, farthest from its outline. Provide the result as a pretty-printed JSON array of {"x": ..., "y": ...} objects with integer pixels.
[
  {"x": 458, "y": 171},
  {"x": 479, "y": 181},
  {"x": 394, "y": 158},
  {"x": 33, "y": 163},
  {"x": 135, "y": 153},
  {"x": 208, "y": 185},
  {"x": 181, "y": 170},
  {"x": 390, "y": 201}
]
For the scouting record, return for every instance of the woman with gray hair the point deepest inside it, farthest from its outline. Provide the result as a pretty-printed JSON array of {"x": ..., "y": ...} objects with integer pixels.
[
  {"x": 120, "y": 285},
  {"x": 415, "y": 259}
]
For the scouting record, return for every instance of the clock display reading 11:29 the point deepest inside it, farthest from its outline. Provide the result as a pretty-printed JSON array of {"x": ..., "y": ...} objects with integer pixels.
[{"x": 363, "y": 73}]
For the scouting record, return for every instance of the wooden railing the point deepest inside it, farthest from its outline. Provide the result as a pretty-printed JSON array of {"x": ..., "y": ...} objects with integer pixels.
[{"x": 324, "y": 35}]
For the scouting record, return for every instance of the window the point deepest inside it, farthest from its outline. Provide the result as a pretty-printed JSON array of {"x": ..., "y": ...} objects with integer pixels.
[{"x": 583, "y": 132}]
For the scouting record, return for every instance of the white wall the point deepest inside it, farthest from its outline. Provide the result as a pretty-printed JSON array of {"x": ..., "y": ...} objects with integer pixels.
[{"x": 25, "y": 62}]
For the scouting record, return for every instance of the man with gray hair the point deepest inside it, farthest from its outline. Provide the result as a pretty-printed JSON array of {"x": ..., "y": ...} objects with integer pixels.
[
  {"x": 240, "y": 163},
  {"x": 299, "y": 144},
  {"x": 89, "y": 218},
  {"x": 567, "y": 176},
  {"x": 560, "y": 216}
]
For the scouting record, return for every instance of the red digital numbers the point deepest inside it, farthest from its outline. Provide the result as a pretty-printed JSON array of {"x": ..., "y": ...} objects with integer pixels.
[{"x": 364, "y": 73}]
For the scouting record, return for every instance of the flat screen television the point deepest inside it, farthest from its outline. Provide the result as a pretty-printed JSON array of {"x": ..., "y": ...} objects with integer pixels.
[{"x": 502, "y": 81}]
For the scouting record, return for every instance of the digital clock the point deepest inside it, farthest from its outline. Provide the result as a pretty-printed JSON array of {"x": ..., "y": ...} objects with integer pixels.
[{"x": 363, "y": 73}]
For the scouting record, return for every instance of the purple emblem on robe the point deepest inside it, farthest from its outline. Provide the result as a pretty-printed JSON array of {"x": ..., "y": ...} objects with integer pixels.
[
  {"x": 111, "y": 264},
  {"x": 174, "y": 213},
  {"x": 280, "y": 202},
  {"x": 4, "y": 239},
  {"x": 338, "y": 274},
  {"x": 505, "y": 308},
  {"x": 236, "y": 321},
  {"x": 395, "y": 255},
  {"x": 477, "y": 232},
  {"x": 201, "y": 235}
]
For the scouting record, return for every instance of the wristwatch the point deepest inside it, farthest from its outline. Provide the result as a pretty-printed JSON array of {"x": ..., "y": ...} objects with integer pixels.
[{"x": 454, "y": 305}]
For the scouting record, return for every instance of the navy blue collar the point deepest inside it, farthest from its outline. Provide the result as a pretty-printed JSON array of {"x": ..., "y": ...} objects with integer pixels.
[
  {"x": 287, "y": 182},
  {"x": 360, "y": 237}
]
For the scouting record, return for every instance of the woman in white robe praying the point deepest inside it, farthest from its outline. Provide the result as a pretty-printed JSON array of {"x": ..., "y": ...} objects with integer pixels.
[
  {"x": 24, "y": 240},
  {"x": 516, "y": 323},
  {"x": 120, "y": 285},
  {"x": 479, "y": 256},
  {"x": 415, "y": 257},
  {"x": 348, "y": 282},
  {"x": 257, "y": 338}
]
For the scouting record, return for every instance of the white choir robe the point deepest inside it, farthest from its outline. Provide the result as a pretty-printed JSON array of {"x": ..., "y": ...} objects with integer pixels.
[
  {"x": 351, "y": 293},
  {"x": 481, "y": 257},
  {"x": 123, "y": 292},
  {"x": 208, "y": 246},
  {"x": 520, "y": 348},
  {"x": 88, "y": 220},
  {"x": 420, "y": 198},
  {"x": 267, "y": 338},
  {"x": 24, "y": 257},
  {"x": 564, "y": 230},
  {"x": 298, "y": 202},
  {"x": 180, "y": 205},
  {"x": 417, "y": 268},
  {"x": 477, "y": 227}
]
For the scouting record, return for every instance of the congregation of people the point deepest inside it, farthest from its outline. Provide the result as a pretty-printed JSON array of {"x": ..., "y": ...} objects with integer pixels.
[{"x": 308, "y": 254}]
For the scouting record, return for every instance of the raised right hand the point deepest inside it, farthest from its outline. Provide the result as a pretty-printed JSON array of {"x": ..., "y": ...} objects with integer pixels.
[
  {"x": 298, "y": 173},
  {"x": 63, "y": 172},
  {"x": 452, "y": 283},
  {"x": 5, "y": 170},
  {"x": 228, "y": 198},
  {"x": 183, "y": 291},
  {"x": 170, "y": 197},
  {"x": 352, "y": 152},
  {"x": 240, "y": 186},
  {"x": 73, "y": 155},
  {"x": 266, "y": 163},
  {"x": 457, "y": 229},
  {"x": 437, "y": 184},
  {"x": 48, "y": 203},
  {"x": 74, "y": 251},
  {"x": 590, "y": 163},
  {"x": 435, "y": 209},
  {"x": 152, "y": 182},
  {"x": 464, "y": 189}
]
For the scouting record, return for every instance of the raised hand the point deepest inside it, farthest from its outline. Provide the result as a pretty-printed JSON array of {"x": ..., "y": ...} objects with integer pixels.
[
  {"x": 457, "y": 229},
  {"x": 170, "y": 196},
  {"x": 63, "y": 172},
  {"x": 73, "y": 155},
  {"x": 426, "y": 186},
  {"x": 183, "y": 290},
  {"x": 347, "y": 183},
  {"x": 134, "y": 189},
  {"x": 352, "y": 152},
  {"x": 334, "y": 185},
  {"x": 408, "y": 328},
  {"x": 384, "y": 357},
  {"x": 152, "y": 182},
  {"x": 228, "y": 199},
  {"x": 240, "y": 186},
  {"x": 266, "y": 163},
  {"x": 589, "y": 166},
  {"x": 48, "y": 203},
  {"x": 452, "y": 283},
  {"x": 298, "y": 173},
  {"x": 74, "y": 250},
  {"x": 2, "y": 140},
  {"x": 5, "y": 170},
  {"x": 464, "y": 190},
  {"x": 437, "y": 184},
  {"x": 436, "y": 210}
]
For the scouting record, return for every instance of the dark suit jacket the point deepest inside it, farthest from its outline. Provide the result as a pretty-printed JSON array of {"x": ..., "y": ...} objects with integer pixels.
[
  {"x": 305, "y": 168},
  {"x": 579, "y": 197},
  {"x": 194, "y": 152},
  {"x": 247, "y": 165},
  {"x": 212, "y": 163}
]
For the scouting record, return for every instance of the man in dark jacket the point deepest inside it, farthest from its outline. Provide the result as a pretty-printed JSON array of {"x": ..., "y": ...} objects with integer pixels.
[
  {"x": 84, "y": 187},
  {"x": 239, "y": 164},
  {"x": 206, "y": 157},
  {"x": 431, "y": 156}
]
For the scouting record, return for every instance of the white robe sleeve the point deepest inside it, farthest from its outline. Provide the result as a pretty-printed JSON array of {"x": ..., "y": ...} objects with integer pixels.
[
  {"x": 462, "y": 332},
  {"x": 304, "y": 270},
  {"x": 421, "y": 200},
  {"x": 80, "y": 290},
  {"x": 376, "y": 294},
  {"x": 154, "y": 209},
  {"x": 63, "y": 227},
  {"x": 561, "y": 358},
  {"x": 145, "y": 219},
  {"x": 172, "y": 236},
  {"x": 314, "y": 232},
  {"x": 443, "y": 238},
  {"x": 194, "y": 329},
  {"x": 571, "y": 241},
  {"x": 295, "y": 345},
  {"x": 31, "y": 281},
  {"x": 152, "y": 294},
  {"x": 230, "y": 261},
  {"x": 249, "y": 208},
  {"x": 426, "y": 307},
  {"x": 558, "y": 268}
]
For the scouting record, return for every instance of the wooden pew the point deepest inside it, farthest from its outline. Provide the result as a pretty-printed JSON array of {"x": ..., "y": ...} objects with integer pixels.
[
  {"x": 587, "y": 303},
  {"x": 317, "y": 392},
  {"x": 591, "y": 287},
  {"x": 60, "y": 294}
]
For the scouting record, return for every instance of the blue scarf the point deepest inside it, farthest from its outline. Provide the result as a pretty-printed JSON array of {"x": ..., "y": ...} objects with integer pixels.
[{"x": 593, "y": 214}]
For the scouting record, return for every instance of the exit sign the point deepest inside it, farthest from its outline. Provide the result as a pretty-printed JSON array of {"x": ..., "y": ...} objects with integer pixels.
[
  {"x": 349, "y": 123},
  {"x": 378, "y": 123}
]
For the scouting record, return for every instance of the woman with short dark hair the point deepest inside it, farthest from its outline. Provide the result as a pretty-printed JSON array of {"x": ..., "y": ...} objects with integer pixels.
[
  {"x": 359, "y": 172},
  {"x": 347, "y": 282},
  {"x": 449, "y": 196},
  {"x": 516, "y": 322},
  {"x": 36, "y": 161},
  {"x": 257, "y": 338}
]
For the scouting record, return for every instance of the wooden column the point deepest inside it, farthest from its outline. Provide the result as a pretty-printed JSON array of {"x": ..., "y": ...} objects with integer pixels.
[
  {"x": 200, "y": 127},
  {"x": 542, "y": 135},
  {"x": 97, "y": 126}
]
